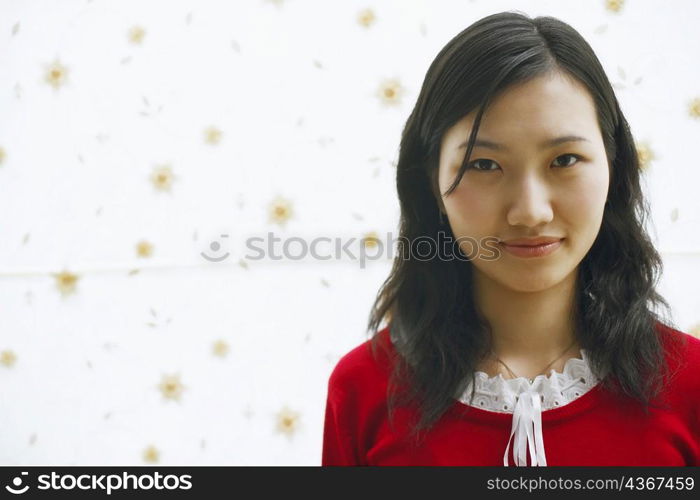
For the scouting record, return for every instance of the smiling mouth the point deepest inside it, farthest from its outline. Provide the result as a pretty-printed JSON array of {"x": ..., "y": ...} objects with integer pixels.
[
  {"x": 531, "y": 242},
  {"x": 527, "y": 251}
]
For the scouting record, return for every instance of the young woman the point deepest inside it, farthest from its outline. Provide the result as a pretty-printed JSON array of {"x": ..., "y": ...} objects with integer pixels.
[{"x": 531, "y": 333}]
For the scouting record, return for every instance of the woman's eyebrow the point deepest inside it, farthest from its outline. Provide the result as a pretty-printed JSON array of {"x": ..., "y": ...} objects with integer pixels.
[{"x": 549, "y": 143}]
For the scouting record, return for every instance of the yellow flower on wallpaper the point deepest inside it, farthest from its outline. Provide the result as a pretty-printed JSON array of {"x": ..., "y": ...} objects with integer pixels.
[
  {"x": 695, "y": 330},
  {"x": 144, "y": 249},
  {"x": 2, "y": 156},
  {"x": 694, "y": 108},
  {"x": 171, "y": 387},
  {"x": 162, "y": 177},
  {"x": 366, "y": 18},
  {"x": 56, "y": 74},
  {"x": 151, "y": 454},
  {"x": 212, "y": 135},
  {"x": 645, "y": 154},
  {"x": 614, "y": 5},
  {"x": 287, "y": 421},
  {"x": 220, "y": 348},
  {"x": 136, "y": 34},
  {"x": 7, "y": 358},
  {"x": 390, "y": 92},
  {"x": 370, "y": 239},
  {"x": 280, "y": 210},
  {"x": 66, "y": 282}
]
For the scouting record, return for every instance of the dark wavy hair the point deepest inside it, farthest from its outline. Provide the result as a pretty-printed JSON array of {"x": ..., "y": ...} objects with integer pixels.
[{"x": 429, "y": 304}]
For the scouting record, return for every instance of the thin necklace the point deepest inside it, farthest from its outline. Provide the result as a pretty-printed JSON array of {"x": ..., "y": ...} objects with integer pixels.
[{"x": 544, "y": 369}]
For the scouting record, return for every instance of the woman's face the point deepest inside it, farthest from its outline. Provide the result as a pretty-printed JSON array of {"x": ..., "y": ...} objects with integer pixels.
[{"x": 519, "y": 185}]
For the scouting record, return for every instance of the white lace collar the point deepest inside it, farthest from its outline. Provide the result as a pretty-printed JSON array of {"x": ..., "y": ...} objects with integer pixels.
[{"x": 526, "y": 400}]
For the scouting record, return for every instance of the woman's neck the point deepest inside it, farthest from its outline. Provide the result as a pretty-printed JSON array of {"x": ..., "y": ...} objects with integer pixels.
[{"x": 529, "y": 329}]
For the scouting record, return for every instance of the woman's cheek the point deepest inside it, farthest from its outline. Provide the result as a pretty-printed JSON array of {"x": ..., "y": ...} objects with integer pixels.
[
  {"x": 588, "y": 199},
  {"x": 469, "y": 210}
]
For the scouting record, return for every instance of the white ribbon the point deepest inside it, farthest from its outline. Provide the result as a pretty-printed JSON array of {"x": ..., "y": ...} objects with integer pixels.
[{"x": 527, "y": 428}]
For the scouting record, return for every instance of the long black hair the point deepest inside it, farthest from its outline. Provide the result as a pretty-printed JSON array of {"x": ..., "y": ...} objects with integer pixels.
[{"x": 429, "y": 304}]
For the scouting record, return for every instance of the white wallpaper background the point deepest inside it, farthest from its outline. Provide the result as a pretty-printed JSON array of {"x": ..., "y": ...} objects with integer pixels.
[{"x": 137, "y": 135}]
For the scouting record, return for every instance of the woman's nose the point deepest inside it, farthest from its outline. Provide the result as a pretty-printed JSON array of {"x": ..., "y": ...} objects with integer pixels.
[{"x": 529, "y": 203}]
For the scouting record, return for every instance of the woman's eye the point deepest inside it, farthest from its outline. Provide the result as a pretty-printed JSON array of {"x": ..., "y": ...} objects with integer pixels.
[
  {"x": 474, "y": 165},
  {"x": 569, "y": 155},
  {"x": 483, "y": 165}
]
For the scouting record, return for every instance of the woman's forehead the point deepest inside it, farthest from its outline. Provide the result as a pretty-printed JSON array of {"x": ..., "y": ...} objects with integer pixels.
[{"x": 540, "y": 110}]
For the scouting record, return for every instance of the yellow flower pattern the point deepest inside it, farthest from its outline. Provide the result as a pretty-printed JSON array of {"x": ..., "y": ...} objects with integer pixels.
[
  {"x": 694, "y": 108},
  {"x": 56, "y": 74},
  {"x": 220, "y": 348},
  {"x": 390, "y": 92},
  {"x": 370, "y": 239},
  {"x": 212, "y": 136},
  {"x": 287, "y": 421},
  {"x": 171, "y": 387},
  {"x": 66, "y": 282},
  {"x": 144, "y": 249},
  {"x": 645, "y": 154},
  {"x": 136, "y": 34},
  {"x": 151, "y": 455},
  {"x": 8, "y": 358},
  {"x": 280, "y": 210},
  {"x": 614, "y": 5},
  {"x": 162, "y": 177},
  {"x": 695, "y": 330},
  {"x": 366, "y": 18}
]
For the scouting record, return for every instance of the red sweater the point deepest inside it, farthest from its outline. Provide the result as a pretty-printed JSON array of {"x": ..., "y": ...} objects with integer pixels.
[{"x": 597, "y": 428}]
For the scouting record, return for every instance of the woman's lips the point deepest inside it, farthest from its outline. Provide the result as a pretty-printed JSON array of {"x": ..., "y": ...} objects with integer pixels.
[{"x": 532, "y": 250}]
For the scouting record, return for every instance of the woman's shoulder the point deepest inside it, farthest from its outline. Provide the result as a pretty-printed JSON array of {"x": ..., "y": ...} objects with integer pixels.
[
  {"x": 683, "y": 356},
  {"x": 685, "y": 343},
  {"x": 364, "y": 365}
]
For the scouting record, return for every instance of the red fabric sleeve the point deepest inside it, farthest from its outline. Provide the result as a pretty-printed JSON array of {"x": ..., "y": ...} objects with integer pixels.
[
  {"x": 338, "y": 446},
  {"x": 354, "y": 406}
]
